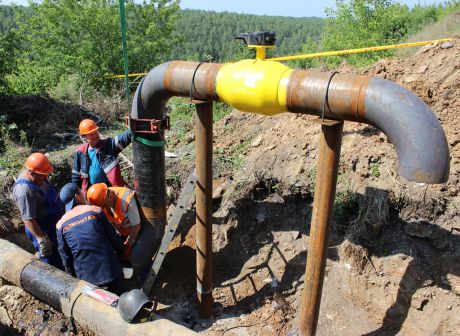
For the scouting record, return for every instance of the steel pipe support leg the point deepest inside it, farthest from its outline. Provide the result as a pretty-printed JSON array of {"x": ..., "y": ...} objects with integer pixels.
[
  {"x": 326, "y": 179},
  {"x": 203, "y": 192}
]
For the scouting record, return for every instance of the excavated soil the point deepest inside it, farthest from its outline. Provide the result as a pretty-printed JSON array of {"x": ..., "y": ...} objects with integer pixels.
[{"x": 393, "y": 264}]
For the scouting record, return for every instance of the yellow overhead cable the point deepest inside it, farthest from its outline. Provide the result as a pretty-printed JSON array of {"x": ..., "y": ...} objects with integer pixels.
[
  {"x": 326, "y": 53},
  {"x": 130, "y": 75},
  {"x": 355, "y": 51}
]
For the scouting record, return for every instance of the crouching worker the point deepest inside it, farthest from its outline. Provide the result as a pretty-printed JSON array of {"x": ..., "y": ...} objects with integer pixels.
[
  {"x": 88, "y": 243},
  {"x": 121, "y": 208},
  {"x": 40, "y": 207}
]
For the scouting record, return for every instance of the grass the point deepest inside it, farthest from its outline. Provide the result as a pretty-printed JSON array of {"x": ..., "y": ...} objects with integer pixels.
[
  {"x": 182, "y": 114},
  {"x": 448, "y": 26},
  {"x": 230, "y": 158},
  {"x": 374, "y": 169},
  {"x": 12, "y": 155}
]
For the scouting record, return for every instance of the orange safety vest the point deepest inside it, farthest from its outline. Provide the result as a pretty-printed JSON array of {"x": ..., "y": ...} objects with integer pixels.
[{"x": 119, "y": 217}]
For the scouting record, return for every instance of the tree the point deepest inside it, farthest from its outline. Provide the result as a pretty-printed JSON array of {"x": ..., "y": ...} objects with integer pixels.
[
  {"x": 309, "y": 47},
  {"x": 364, "y": 23},
  {"x": 8, "y": 50},
  {"x": 68, "y": 37}
]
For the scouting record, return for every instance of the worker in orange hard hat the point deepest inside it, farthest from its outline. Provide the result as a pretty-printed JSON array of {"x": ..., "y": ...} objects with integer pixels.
[
  {"x": 120, "y": 207},
  {"x": 97, "y": 160},
  {"x": 122, "y": 210},
  {"x": 40, "y": 207}
]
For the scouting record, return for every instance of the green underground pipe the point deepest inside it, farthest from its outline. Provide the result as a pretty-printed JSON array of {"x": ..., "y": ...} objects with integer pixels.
[{"x": 63, "y": 292}]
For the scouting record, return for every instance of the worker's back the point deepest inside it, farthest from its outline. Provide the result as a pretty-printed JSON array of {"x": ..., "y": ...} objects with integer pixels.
[{"x": 88, "y": 245}]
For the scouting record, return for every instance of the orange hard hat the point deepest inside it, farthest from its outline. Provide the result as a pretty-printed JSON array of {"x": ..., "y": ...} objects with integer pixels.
[
  {"x": 87, "y": 126},
  {"x": 97, "y": 193},
  {"x": 39, "y": 163}
]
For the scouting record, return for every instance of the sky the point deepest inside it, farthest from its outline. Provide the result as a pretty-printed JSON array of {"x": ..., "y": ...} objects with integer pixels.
[{"x": 296, "y": 8}]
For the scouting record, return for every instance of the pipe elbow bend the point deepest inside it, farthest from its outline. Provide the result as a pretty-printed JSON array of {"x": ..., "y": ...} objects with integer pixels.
[
  {"x": 412, "y": 127},
  {"x": 151, "y": 95}
]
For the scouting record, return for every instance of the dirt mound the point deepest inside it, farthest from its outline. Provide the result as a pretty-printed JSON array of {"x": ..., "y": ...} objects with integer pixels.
[{"x": 46, "y": 123}]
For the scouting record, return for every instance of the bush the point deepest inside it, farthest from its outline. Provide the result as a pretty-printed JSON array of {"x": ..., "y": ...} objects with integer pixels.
[
  {"x": 7, "y": 60},
  {"x": 29, "y": 79}
]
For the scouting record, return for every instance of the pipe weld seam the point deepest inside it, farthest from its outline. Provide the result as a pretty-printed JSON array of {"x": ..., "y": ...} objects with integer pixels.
[
  {"x": 326, "y": 96},
  {"x": 73, "y": 304},
  {"x": 32, "y": 259},
  {"x": 199, "y": 290},
  {"x": 192, "y": 82}
]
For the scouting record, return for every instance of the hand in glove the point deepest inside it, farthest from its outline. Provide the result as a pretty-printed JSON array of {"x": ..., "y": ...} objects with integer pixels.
[{"x": 46, "y": 246}]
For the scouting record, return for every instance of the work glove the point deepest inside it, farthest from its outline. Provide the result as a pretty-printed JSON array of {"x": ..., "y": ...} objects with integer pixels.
[{"x": 46, "y": 246}]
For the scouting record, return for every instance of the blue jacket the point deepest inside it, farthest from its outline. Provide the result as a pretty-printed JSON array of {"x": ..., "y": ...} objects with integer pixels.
[
  {"x": 88, "y": 245},
  {"x": 107, "y": 155}
]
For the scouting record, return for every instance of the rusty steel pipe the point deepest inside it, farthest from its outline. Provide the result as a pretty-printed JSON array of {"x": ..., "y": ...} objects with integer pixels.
[
  {"x": 409, "y": 124},
  {"x": 203, "y": 193},
  {"x": 421, "y": 145},
  {"x": 63, "y": 292},
  {"x": 423, "y": 154},
  {"x": 149, "y": 102},
  {"x": 326, "y": 180}
]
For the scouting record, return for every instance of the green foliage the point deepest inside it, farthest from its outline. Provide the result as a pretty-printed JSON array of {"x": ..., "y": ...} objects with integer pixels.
[
  {"x": 447, "y": 26},
  {"x": 220, "y": 111},
  {"x": 310, "y": 47},
  {"x": 367, "y": 23},
  {"x": 150, "y": 33},
  {"x": 345, "y": 204},
  {"x": 67, "y": 88},
  {"x": 31, "y": 79},
  {"x": 181, "y": 114},
  {"x": 230, "y": 158},
  {"x": 12, "y": 156},
  {"x": 209, "y": 33},
  {"x": 374, "y": 169},
  {"x": 7, "y": 59},
  {"x": 59, "y": 47},
  {"x": 83, "y": 38}
]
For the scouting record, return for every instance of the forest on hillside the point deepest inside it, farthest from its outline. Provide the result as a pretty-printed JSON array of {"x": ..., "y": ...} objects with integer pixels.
[
  {"x": 58, "y": 47},
  {"x": 209, "y": 33}
]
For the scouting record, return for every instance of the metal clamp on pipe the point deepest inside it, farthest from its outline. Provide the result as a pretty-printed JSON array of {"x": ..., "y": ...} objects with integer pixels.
[{"x": 151, "y": 126}]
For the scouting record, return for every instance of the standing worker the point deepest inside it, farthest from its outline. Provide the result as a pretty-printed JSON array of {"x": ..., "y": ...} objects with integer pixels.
[
  {"x": 96, "y": 161},
  {"x": 88, "y": 243},
  {"x": 121, "y": 208},
  {"x": 40, "y": 207}
]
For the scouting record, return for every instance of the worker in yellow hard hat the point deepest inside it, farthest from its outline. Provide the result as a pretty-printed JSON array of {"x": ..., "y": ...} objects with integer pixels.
[
  {"x": 121, "y": 208},
  {"x": 40, "y": 207},
  {"x": 96, "y": 161}
]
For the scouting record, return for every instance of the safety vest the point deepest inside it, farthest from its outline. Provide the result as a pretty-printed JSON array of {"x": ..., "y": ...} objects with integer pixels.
[{"x": 119, "y": 216}]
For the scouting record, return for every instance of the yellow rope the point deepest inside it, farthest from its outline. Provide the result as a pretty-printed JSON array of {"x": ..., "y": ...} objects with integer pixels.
[
  {"x": 355, "y": 51},
  {"x": 326, "y": 53},
  {"x": 130, "y": 75}
]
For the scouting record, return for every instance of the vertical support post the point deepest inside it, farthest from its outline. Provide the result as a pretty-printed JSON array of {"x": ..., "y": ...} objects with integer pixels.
[
  {"x": 326, "y": 179},
  {"x": 125, "y": 48},
  {"x": 203, "y": 192}
]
